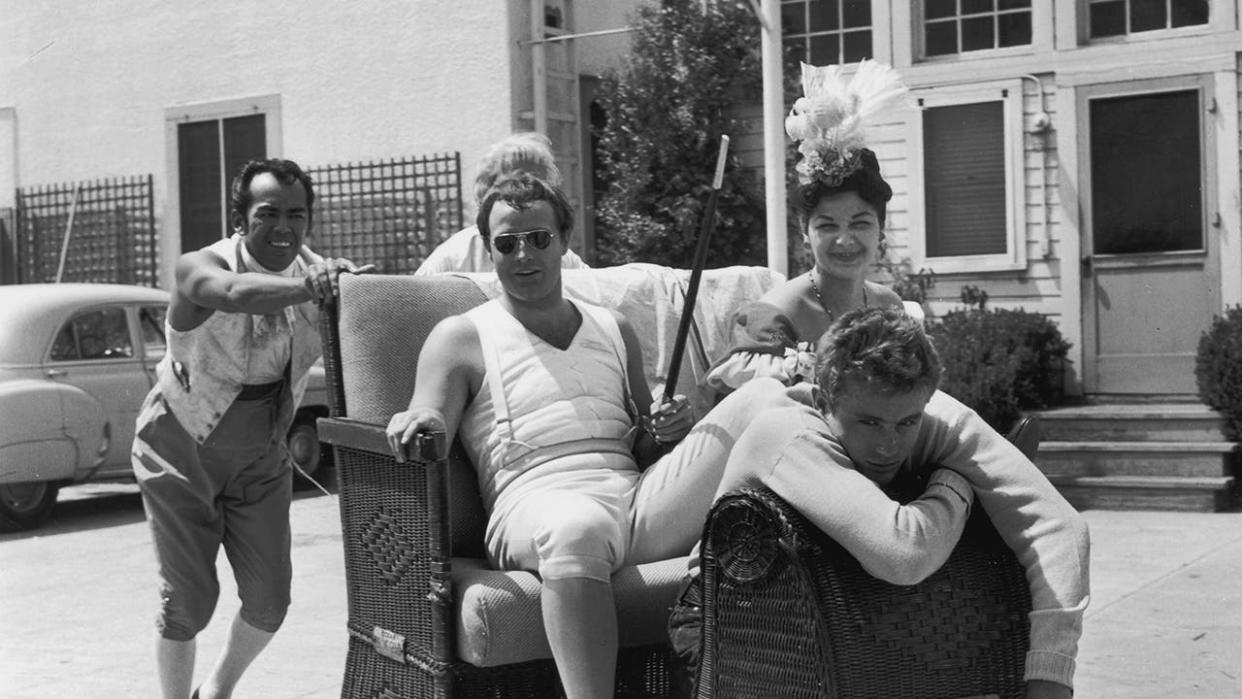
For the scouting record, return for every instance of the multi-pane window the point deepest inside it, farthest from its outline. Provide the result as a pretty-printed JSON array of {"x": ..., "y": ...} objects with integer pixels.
[
  {"x": 958, "y": 26},
  {"x": 1122, "y": 17},
  {"x": 828, "y": 32}
]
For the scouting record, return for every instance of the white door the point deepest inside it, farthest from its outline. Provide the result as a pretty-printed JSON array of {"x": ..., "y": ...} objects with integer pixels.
[{"x": 1151, "y": 275}]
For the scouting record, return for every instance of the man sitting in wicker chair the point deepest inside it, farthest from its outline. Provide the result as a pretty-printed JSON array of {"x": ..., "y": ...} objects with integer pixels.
[
  {"x": 545, "y": 394},
  {"x": 875, "y": 418}
]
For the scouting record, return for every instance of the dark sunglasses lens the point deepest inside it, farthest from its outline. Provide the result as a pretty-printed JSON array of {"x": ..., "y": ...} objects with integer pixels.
[
  {"x": 540, "y": 238},
  {"x": 505, "y": 243}
]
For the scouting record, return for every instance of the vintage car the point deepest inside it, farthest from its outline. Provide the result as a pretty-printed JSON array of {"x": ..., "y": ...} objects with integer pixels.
[{"x": 76, "y": 362}]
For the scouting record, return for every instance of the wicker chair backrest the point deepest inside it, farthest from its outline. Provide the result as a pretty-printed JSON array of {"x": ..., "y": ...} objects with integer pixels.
[{"x": 383, "y": 322}]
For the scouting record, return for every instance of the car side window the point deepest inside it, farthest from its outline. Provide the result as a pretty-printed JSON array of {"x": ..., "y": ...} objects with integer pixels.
[
  {"x": 151, "y": 320},
  {"x": 97, "y": 334}
]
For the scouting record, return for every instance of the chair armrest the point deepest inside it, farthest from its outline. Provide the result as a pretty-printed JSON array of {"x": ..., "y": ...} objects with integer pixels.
[
  {"x": 394, "y": 523},
  {"x": 771, "y": 580}
]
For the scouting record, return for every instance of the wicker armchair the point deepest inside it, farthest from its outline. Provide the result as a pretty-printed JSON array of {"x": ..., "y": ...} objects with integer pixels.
[
  {"x": 427, "y": 617},
  {"x": 786, "y": 606}
]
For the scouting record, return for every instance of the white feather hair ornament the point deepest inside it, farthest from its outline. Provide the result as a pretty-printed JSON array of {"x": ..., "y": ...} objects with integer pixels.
[{"x": 830, "y": 119}]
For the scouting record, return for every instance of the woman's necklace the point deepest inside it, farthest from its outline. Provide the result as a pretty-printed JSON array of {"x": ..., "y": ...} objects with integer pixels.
[{"x": 815, "y": 287}]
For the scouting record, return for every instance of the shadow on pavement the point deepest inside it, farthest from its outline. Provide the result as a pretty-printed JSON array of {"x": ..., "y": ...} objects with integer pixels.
[
  {"x": 98, "y": 506},
  {"x": 83, "y": 508}
]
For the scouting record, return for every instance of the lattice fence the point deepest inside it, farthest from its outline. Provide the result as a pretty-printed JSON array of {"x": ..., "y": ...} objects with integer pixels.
[
  {"x": 391, "y": 213},
  {"x": 111, "y": 237}
]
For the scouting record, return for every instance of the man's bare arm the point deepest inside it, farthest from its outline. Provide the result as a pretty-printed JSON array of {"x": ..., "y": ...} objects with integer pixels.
[{"x": 450, "y": 372}]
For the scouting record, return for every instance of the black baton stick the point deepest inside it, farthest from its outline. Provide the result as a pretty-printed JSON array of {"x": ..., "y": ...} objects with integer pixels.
[{"x": 700, "y": 259}]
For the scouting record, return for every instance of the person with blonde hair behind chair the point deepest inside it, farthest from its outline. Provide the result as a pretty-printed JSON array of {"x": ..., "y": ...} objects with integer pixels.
[{"x": 465, "y": 251}]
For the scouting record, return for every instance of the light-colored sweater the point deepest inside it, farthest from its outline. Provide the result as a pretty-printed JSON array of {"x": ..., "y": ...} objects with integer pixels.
[{"x": 791, "y": 451}]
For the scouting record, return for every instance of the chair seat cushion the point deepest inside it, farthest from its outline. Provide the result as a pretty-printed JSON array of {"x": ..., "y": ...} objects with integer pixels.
[{"x": 499, "y": 621}]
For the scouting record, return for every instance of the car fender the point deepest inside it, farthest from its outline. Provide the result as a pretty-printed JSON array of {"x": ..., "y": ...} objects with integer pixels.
[{"x": 50, "y": 431}]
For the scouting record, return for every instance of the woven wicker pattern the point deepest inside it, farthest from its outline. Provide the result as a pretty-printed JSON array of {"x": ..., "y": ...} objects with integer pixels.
[
  {"x": 835, "y": 631},
  {"x": 386, "y": 539}
]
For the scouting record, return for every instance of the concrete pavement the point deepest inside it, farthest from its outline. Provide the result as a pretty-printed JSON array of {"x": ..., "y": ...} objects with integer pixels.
[{"x": 77, "y": 600}]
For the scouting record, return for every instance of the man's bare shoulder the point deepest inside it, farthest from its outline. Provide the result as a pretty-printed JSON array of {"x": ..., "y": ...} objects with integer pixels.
[
  {"x": 199, "y": 260},
  {"x": 454, "y": 340}
]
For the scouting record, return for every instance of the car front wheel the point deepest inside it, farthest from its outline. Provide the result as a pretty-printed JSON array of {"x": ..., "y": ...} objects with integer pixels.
[
  {"x": 303, "y": 444},
  {"x": 26, "y": 505}
]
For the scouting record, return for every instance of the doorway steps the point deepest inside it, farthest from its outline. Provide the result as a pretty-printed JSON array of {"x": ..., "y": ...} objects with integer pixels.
[{"x": 1149, "y": 456}]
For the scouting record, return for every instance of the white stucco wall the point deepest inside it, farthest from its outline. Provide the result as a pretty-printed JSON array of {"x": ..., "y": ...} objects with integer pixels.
[{"x": 90, "y": 83}]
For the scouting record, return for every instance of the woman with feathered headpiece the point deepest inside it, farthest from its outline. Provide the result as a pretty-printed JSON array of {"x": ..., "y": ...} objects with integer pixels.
[{"x": 841, "y": 201}]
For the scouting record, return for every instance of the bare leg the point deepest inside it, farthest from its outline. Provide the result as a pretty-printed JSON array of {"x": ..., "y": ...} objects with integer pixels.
[
  {"x": 175, "y": 662},
  {"x": 581, "y": 622},
  {"x": 244, "y": 644}
]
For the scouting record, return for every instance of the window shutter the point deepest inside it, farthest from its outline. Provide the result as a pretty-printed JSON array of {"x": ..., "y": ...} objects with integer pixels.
[
  {"x": 198, "y": 161},
  {"x": 964, "y": 163}
]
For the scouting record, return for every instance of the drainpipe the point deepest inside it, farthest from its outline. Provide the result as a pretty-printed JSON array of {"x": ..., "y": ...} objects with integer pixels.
[
  {"x": 774, "y": 137},
  {"x": 1040, "y": 128},
  {"x": 539, "y": 67}
]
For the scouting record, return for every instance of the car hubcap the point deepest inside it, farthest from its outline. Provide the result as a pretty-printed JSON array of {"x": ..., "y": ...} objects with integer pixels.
[{"x": 304, "y": 448}]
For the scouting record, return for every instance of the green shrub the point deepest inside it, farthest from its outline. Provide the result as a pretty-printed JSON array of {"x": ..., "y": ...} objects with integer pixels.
[
  {"x": 1218, "y": 368},
  {"x": 1000, "y": 361},
  {"x": 666, "y": 108}
]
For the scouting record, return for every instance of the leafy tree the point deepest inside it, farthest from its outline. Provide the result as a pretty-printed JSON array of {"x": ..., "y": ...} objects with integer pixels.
[{"x": 666, "y": 108}]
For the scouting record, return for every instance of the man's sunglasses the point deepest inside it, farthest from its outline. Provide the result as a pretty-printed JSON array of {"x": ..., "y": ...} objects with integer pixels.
[{"x": 540, "y": 238}]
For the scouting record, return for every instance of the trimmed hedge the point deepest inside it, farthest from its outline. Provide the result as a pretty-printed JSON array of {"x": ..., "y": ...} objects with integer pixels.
[
  {"x": 1001, "y": 361},
  {"x": 1218, "y": 368}
]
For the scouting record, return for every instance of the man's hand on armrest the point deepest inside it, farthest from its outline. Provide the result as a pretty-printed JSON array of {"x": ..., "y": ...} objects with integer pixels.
[{"x": 404, "y": 425}]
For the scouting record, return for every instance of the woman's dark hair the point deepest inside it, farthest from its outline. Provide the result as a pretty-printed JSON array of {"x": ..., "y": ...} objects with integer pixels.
[
  {"x": 520, "y": 190},
  {"x": 866, "y": 181},
  {"x": 286, "y": 172}
]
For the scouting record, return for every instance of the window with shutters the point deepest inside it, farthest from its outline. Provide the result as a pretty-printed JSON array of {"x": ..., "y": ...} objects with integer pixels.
[
  {"x": 966, "y": 178},
  {"x": 209, "y": 154},
  {"x": 211, "y": 142}
]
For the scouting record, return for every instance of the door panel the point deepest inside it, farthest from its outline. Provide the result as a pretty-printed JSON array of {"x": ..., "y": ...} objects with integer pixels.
[
  {"x": 1151, "y": 272},
  {"x": 95, "y": 352},
  {"x": 1143, "y": 344}
]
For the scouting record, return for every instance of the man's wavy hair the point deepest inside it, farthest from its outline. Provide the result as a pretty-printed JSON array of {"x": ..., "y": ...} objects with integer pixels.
[
  {"x": 883, "y": 348},
  {"x": 520, "y": 191},
  {"x": 286, "y": 172}
]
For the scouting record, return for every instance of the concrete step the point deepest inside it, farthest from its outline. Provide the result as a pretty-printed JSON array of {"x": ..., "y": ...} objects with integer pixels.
[
  {"x": 1147, "y": 492},
  {"x": 1155, "y": 422},
  {"x": 1167, "y": 459}
]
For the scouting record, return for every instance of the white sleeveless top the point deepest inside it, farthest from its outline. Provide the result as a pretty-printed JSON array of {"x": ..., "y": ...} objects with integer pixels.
[{"x": 544, "y": 410}]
